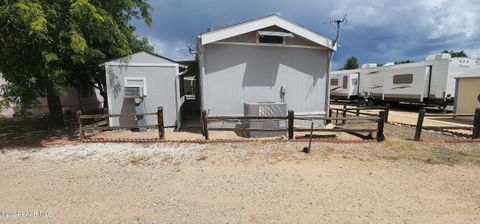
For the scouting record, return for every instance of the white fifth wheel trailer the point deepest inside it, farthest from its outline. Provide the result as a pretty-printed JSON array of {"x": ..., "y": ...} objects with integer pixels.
[
  {"x": 430, "y": 82},
  {"x": 344, "y": 85}
]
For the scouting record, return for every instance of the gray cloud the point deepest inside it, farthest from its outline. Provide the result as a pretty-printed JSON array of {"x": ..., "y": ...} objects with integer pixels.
[{"x": 377, "y": 30}]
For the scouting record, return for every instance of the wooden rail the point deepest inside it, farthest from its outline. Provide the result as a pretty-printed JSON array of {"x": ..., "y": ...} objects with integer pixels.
[
  {"x": 290, "y": 118},
  {"x": 422, "y": 114},
  {"x": 82, "y": 128},
  {"x": 357, "y": 111}
]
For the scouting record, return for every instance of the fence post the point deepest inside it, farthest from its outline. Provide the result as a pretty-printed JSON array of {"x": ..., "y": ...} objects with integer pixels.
[
  {"x": 329, "y": 115},
  {"x": 357, "y": 112},
  {"x": 205, "y": 124},
  {"x": 336, "y": 116},
  {"x": 476, "y": 124},
  {"x": 344, "y": 113},
  {"x": 290, "y": 117},
  {"x": 387, "y": 111},
  {"x": 80, "y": 128},
  {"x": 161, "y": 128},
  {"x": 107, "y": 119},
  {"x": 418, "y": 128},
  {"x": 380, "y": 126}
]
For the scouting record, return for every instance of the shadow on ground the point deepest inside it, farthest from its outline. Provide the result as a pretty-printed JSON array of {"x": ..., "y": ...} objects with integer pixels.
[{"x": 32, "y": 132}]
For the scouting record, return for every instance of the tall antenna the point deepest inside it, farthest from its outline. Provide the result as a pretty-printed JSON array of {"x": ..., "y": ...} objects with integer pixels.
[
  {"x": 192, "y": 51},
  {"x": 342, "y": 21}
]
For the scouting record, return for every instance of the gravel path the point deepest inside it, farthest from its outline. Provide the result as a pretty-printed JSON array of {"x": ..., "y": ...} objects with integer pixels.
[{"x": 393, "y": 182}]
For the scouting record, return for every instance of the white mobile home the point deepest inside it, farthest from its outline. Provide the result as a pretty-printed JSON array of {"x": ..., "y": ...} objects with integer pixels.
[
  {"x": 264, "y": 61},
  {"x": 141, "y": 83}
]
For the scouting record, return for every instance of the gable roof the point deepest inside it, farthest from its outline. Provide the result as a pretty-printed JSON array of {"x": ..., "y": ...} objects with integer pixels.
[
  {"x": 126, "y": 58},
  {"x": 260, "y": 23}
]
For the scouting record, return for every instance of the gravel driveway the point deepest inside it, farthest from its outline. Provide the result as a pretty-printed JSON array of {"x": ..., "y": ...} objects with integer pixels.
[{"x": 392, "y": 182}]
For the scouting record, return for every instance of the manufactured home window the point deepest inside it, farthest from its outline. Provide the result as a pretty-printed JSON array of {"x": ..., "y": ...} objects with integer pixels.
[
  {"x": 334, "y": 82},
  {"x": 403, "y": 79},
  {"x": 354, "y": 82},
  {"x": 345, "y": 82}
]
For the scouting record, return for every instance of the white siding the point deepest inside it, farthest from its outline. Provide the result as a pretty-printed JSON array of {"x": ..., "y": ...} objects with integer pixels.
[
  {"x": 161, "y": 91},
  {"x": 235, "y": 74}
]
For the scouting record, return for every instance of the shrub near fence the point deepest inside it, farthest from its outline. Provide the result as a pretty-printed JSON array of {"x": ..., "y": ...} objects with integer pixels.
[
  {"x": 82, "y": 128},
  {"x": 290, "y": 118}
]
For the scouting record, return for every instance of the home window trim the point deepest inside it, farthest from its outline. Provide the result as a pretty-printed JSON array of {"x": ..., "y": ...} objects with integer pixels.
[{"x": 144, "y": 86}]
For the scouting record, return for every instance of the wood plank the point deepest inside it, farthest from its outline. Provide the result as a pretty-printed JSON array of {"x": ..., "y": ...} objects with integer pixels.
[
  {"x": 246, "y": 118},
  {"x": 372, "y": 118},
  {"x": 338, "y": 129},
  {"x": 450, "y": 115},
  {"x": 248, "y": 129},
  {"x": 447, "y": 127},
  {"x": 92, "y": 116},
  {"x": 121, "y": 127}
]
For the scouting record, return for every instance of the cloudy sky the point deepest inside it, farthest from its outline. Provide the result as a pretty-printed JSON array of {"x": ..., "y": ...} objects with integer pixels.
[{"x": 376, "y": 32}]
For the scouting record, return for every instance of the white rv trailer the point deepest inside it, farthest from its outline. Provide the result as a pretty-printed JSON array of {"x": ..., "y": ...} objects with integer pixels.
[
  {"x": 430, "y": 82},
  {"x": 344, "y": 85}
]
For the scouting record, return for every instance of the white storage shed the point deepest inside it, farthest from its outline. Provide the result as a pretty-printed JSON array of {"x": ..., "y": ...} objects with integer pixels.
[{"x": 142, "y": 82}]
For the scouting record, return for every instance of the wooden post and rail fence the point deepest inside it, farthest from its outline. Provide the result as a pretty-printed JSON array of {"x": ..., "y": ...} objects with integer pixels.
[
  {"x": 379, "y": 118},
  {"x": 83, "y": 128},
  {"x": 422, "y": 114}
]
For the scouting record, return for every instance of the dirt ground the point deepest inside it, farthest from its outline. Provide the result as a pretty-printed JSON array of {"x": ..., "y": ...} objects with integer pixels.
[{"x": 393, "y": 182}]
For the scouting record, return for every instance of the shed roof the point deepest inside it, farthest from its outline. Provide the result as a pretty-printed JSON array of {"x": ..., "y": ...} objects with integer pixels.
[
  {"x": 263, "y": 22},
  {"x": 153, "y": 58},
  {"x": 467, "y": 76}
]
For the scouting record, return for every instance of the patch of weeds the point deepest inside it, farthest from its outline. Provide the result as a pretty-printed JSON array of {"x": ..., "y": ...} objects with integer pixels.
[
  {"x": 202, "y": 158},
  {"x": 167, "y": 159},
  {"x": 23, "y": 158},
  {"x": 259, "y": 143},
  {"x": 139, "y": 159},
  {"x": 398, "y": 144}
]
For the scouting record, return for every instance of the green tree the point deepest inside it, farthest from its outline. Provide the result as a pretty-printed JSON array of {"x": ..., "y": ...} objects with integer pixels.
[
  {"x": 456, "y": 54},
  {"x": 352, "y": 63},
  {"x": 47, "y": 45}
]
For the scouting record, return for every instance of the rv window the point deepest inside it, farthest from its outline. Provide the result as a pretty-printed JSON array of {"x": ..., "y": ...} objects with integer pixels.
[
  {"x": 403, "y": 79},
  {"x": 354, "y": 82},
  {"x": 334, "y": 82},
  {"x": 270, "y": 39},
  {"x": 345, "y": 82}
]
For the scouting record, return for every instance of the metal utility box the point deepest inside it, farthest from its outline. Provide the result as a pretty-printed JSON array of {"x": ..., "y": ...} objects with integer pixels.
[{"x": 266, "y": 109}]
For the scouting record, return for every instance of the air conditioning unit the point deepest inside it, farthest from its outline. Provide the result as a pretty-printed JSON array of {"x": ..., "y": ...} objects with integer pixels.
[
  {"x": 266, "y": 109},
  {"x": 133, "y": 92}
]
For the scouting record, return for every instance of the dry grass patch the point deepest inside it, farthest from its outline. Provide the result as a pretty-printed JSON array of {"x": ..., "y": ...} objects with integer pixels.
[
  {"x": 167, "y": 159},
  {"x": 139, "y": 159},
  {"x": 23, "y": 158},
  {"x": 443, "y": 154}
]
